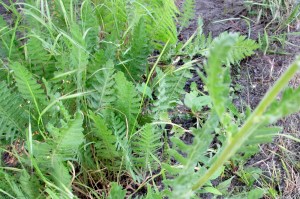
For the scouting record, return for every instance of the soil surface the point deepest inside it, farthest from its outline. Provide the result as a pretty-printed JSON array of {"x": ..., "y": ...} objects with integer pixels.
[
  {"x": 256, "y": 75},
  {"x": 218, "y": 16},
  {"x": 6, "y": 14}
]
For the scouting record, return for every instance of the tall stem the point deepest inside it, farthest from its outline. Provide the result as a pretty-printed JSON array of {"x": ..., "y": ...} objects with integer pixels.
[{"x": 250, "y": 125}]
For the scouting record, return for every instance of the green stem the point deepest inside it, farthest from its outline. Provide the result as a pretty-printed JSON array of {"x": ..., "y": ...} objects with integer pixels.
[
  {"x": 147, "y": 82},
  {"x": 250, "y": 125}
]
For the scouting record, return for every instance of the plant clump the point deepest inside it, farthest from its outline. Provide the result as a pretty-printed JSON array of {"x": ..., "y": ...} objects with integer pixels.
[{"x": 87, "y": 90}]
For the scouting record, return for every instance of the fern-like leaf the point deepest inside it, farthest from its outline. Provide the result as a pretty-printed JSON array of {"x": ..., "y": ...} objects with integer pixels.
[
  {"x": 68, "y": 138},
  {"x": 113, "y": 17},
  {"x": 105, "y": 146},
  {"x": 62, "y": 146},
  {"x": 64, "y": 142},
  {"x": 128, "y": 100},
  {"x": 120, "y": 131},
  {"x": 103, "y": 82},
  {"x": 262, "y": 135},
  {"x": 139, "y": 51},
  {"x": 29, "y": 184},
  {"x": 12, "y": 186},
  {"x": 145, "y": 146},
  {"x": 241, "y": 49},
  {"x": 169, "y": 90},
  {"x": 188, "y": 157},
  {"x": 218, "y": 77},
  {"x": 188, "y": 13},
  {"x": 116, "y": 191},
  {"x": 13, "y": 117},
  {"x": 90, "y": 25},
  {"x": 197, "y": 44},
  {"x": 28, "y": 86},
  {"x": 79, "y": 56},
  {"x": 164, "y": 29},
  {"x": 287, "y": 105},
  {"x": 39, "y": 59}
]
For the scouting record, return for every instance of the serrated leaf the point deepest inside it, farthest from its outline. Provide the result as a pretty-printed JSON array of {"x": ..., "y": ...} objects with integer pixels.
[
  {"x": 217, "y": 76},
  {"x": 195, "y": 102},
  {"x": 64, "y": 143},
  {"x": 116, "y": 191},
  {"x": 13, "y": 117},
  {"x": 106, "y": 141},
  {"x": 189, "y": 156},
  {"x": 188, "y": 13},
  {"x": 288, "y": 104},
  {"x": 128, "y": 100},
  {"x": 28, "y": 86},
  {"x": 29, "y": 184},
  {"x": 103, "y": 83},
  {"x": 241, "y": 49},
  {"x": 145, "y": 147},
  {"x": 170, "y": 89}
]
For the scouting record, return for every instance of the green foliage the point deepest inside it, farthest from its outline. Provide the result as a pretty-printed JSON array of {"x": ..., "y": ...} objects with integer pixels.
[
  {"x": 29, "y": 184},
  {"x": 217, "y": 80},
  {"x": 256, "y": 193},
  {"x": 146, "y": 144},
  {"x": 39, "y": 59},
  {"x": 251, "y": 147},
  {"x": 29, "y": 87},
  {"x": 188, "y": 13},
  {"x": 287, "y": 105},
  {"x": 106, "y": 141},
  {"x": 103, "y": 82},
  {"x": 241, "y": 48},
  {"x": 67, "y": 138},
  {"x": 139, "y": 51},
  {"x": 236, "y": 140},
  {"x": 197, "y": 44},
  {"x": 90, "y": 25},
  {"x": 91, "y": 100},
  {"x": 195, "y": 102},
  {"x": 9, "y": 46},
  {"x": 128, "y": 101},
  {"x": 13, "y": 117},
  {"x": 164, "y": 28},
  {"x": 13, "y": 186},
  {"x": 116, "y": 191},
  {"x": 63, "y": 144},
  {"x": 51, "y": 156},
  {"x": 113, "y": 18},
  {"x": 184, "y": 173},
  {"x": 169, "y": 89}
]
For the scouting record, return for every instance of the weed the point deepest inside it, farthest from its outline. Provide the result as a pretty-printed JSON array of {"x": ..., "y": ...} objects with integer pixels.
[{"x": 79, "y": 89}]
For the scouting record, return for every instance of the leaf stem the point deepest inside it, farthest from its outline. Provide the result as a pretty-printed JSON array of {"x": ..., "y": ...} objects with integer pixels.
[
  {"x": 147, "y": 82},
  {"x": 250, "y": 125}
]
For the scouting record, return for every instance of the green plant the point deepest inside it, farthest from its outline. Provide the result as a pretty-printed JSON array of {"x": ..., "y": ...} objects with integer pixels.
[
  {"x": 85, "y": 110},
  {"x": 283, "y": 13},
  {"x": 281, "y": 17},
  {"x": 188, "y": 13}
]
